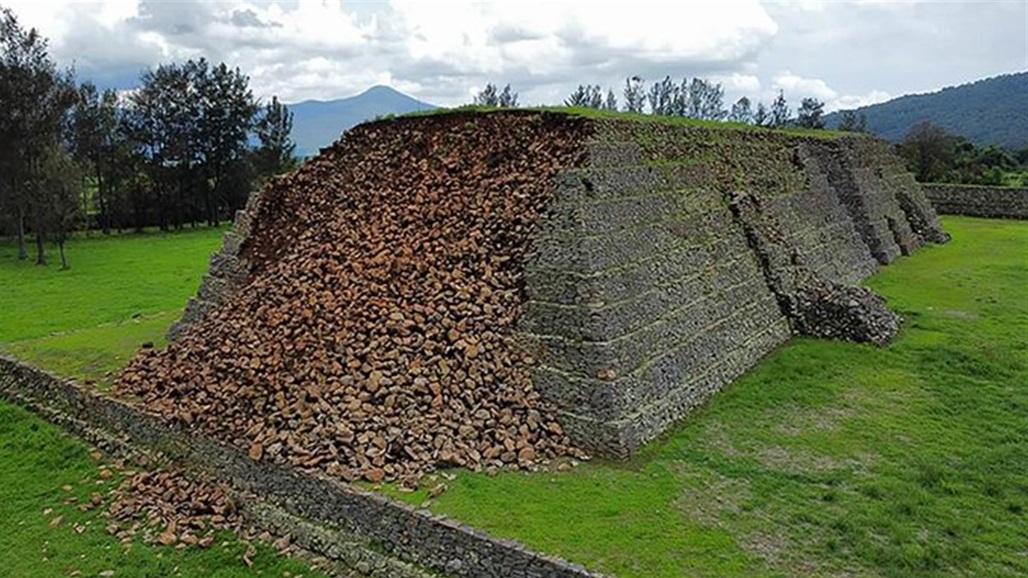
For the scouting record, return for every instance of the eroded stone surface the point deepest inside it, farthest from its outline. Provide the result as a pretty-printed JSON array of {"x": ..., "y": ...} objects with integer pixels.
[{"x": 475, "y": 290}]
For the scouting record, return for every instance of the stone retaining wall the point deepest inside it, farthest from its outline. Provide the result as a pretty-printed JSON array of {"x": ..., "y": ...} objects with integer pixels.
[
  {"x": 227, "y": 271},
  {"x": 327, "y": 516},
  {"x": 978, "y": 201},
  {"x": 648, "y": 290}
]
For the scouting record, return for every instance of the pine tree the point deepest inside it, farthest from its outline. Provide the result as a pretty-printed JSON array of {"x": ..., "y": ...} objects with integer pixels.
[
  {"x": 635, "y": 94},
  {"x": 761, "y": 117},
  {"x": 852, "y": 122},
  {"x": 275, "y": 150},
  {"x": 741, "y": 111},
  {"x": 36, "y": 98},
  {"x": 809, "y": 114},
  {"x": 612, "y": 100},
  {"x": 780, "y": 112},
  {"x": 508, "y": 98},
  {"x": 94, "y": 127}
]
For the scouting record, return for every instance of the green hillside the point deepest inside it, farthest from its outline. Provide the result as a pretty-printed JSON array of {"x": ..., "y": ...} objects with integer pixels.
[{"x": 992, "y": 111}]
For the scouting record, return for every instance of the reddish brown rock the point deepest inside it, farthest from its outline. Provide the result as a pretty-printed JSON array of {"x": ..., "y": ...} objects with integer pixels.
[{"x": 374, "y": 334}]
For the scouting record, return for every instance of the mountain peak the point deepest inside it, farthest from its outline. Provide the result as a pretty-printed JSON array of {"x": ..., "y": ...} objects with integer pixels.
[
  {"x": 381, "y": 89},
  {"x": 317, "y": 124}
]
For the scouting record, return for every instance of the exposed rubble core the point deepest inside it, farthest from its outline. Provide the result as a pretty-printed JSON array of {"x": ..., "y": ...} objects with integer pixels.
[
  {"x": 374, "y": 335},
  {"x": 835, "y": 311},
  {"x": 502, "y": 289},
  {"x": 814, "y": 306}
]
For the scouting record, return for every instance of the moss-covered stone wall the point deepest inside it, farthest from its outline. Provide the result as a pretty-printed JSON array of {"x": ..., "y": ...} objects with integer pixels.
[{"x": 671, "y": 263}]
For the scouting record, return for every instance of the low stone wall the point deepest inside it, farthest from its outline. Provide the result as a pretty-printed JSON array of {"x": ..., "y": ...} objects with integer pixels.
[
  {"x": 978, "y": 201},
  {"x": 348, "y": 524}
]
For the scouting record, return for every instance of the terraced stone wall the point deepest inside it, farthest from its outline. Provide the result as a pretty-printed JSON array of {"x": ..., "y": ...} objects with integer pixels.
[
  {"x": 671, "y": 263},
  {"x": 669, "y": 260},
  {"x": 976, "y": 201}
]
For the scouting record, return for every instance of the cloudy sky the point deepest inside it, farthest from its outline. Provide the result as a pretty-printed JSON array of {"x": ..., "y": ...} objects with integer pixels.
[{"x": 844, "y": 53}]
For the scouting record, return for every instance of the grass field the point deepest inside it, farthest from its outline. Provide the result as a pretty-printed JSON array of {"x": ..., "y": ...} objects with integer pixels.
[
  {"x": 829, "y": 459},
  {"x": 36, "y": 461},
  {"x": 86, "y": 322},
  {"x": 119, "y": 292}
]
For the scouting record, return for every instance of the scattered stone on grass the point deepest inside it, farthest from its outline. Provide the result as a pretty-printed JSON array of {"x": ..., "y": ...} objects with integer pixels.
[{"x": 167, "y": 507}]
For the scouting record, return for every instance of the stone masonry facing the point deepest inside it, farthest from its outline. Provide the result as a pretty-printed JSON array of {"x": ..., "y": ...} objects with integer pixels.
[
  {"x": 635, "y": 268},
  {"x": 678, "y": 256}
]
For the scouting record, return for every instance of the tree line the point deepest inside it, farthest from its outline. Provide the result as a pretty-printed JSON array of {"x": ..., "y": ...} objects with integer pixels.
[
  {"x": 937, "y": 156},
  {"x": 185, "y": 148},
  {"x": 931, "y": 153},
  {"x": 696, "y": 98}
]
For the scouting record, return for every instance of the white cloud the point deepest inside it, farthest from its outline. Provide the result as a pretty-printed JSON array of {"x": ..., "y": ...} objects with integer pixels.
[
  {"x": 44, "y": 16},
  {"x": 843, "y": 53},
  {"x": 577, "y": 42},
  {"x": 898, "y": 47},
  {"x": 795, "y": 88},
  {"x": 324, "y": 48},
  {"x": 745, "y": 84},
  {"x": 850, "y": 101},
  {"x": 794, "y": 85}
]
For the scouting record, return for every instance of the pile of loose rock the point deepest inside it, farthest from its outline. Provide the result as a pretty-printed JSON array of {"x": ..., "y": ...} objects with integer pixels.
[
  {"x": 169, "y": 508},
  {"x": 374, "y": 336},
  {"x": 834, "y": 311}
]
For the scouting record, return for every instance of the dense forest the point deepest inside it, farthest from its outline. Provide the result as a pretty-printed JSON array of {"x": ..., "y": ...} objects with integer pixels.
[
  {"x": 993, "y": 111},
  {"x": 937, "y": 156},
  {"x": 185, "y": 148}
]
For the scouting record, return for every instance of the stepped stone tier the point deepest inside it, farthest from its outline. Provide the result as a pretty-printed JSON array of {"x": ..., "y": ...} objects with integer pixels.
[
  {"x": 505, "y": 288},
  {"x": 678, "y": 256}
]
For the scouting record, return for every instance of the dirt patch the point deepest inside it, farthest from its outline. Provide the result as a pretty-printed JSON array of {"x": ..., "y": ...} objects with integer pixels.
[
  {"x": 709, "y": 497},
  {"x": 770, "y": 548},
  {"x": 797, "y": 421},
  {"x": 715, "y": 437},
  {"x": 795, "y": 461}
]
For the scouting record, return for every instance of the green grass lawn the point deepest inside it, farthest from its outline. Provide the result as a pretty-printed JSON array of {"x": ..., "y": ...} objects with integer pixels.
[
  {"x": 86, "y": 322},
  {"x": 110, "y": 280},
  {"x": 827, "y": 459},
  {"x": 119, "y": 292}
]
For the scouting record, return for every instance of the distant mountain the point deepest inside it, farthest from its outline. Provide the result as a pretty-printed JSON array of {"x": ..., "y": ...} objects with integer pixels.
[
  {"x": 986, "y": 112},
  {"x": 317, "y": 124}
]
